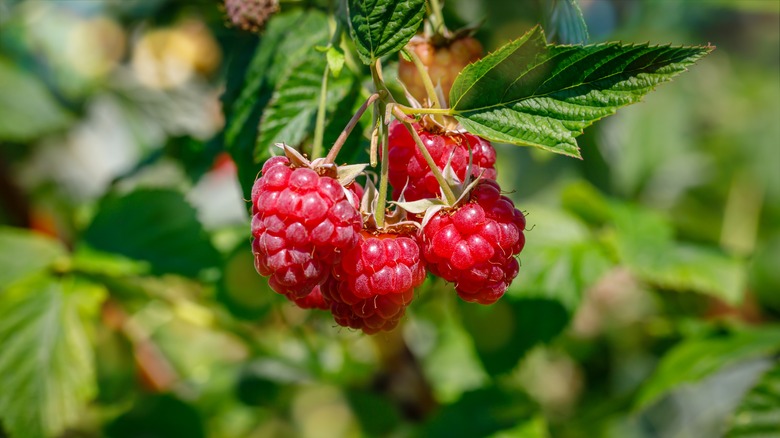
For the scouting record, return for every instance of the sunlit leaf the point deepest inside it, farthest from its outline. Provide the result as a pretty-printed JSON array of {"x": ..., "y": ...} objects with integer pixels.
[
  {"x": 23, "y": 253},
  {"x": 47, "y": 359},
  {"x": 530, "y": 93}
]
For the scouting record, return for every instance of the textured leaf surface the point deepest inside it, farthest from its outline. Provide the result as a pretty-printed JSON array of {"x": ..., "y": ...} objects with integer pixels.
[
  {"x": 290, "y": 117},
  {"x": 46, "y": 360},
  {"x": 383, "y": 27},
  {"x": 157, "y": 226},
  {"x": 251, "y": 82},
  {"x": 534, "y": 94},
  {"x": 759, "y": 413},
  {"x": 23, "y": 253},
  {"x": 695, "y": 359}
]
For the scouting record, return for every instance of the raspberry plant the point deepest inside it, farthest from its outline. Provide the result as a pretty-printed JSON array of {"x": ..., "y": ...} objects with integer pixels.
[
  {"x": 389, "y": 218},
  {"x": 432, "y": 147}
]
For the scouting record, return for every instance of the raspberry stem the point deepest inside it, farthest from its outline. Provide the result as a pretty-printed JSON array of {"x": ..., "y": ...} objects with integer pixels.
[
  {"x": 451, "y": 198},
  {"x": 437, "y": 18},
  {"x": 334, "y": 151},
  {"x": 415, "y": 111},
  {"x": 427, "y": 82},
  {"x": 319, "y": 127}
]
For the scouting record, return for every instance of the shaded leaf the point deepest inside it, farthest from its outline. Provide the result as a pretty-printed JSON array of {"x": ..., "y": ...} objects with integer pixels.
[
  {"x": 290, "y": 116},
  {"x": 383, "y": 27},
  {"x": 157, "y": 226},
  {"x": 533, "y": 94},
  {"x": 504, "y": 332},
  {"x": 47, "y": 360},
  {"x": 694, "y": 359},
  {"x": 758, "y": 414},
  {"x": 250, "y": 83},
  {"x": 23, "y": 253},
  {"x": 158, "y": 416}
]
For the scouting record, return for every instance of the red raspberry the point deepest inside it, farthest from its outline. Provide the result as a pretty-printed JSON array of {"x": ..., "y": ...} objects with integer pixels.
[
  {"x": 474, "y": 245},
  {"x": 301, "y": 224},
  {"x": 408, "y": 164},
  {"x": 443, "y": 62},
  {"x": 312, "y": 301},
  {"x": 374, "y": 282}
]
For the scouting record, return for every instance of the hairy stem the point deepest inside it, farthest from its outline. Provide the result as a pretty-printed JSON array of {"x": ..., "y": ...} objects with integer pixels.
[
  {"x": 437, "y": 18},
  {"x": 334, "y": 151},
  {"x": 379, "y": 83},
  {"x": 319, "y": 127},
  {"x": 414, "y": 111}
]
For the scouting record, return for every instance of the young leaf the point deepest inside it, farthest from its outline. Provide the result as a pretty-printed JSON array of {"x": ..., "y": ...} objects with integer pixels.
[
  {"x": 759, "y": 413},
  {"x": 157, "y": 226},
  {"x": 530, "y": 93},
  {"x": 46, "y": 364},
  {"x": 695, "y": 359},
  {"x": 290, "y": 116},
  {"x": 24, "y": 253},
  {"x": 383, "y": 27}
]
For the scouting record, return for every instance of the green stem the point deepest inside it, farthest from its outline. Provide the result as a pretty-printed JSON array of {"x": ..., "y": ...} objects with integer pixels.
[
  {"x": 437, "y": 18},
  {"x": 427, "y": 82},
  {"x": 451, "y": 199},
  {"x": 386, "y": 98},
  {"x": 319, "y": 127},
  {"x": 415, "y": 111}
]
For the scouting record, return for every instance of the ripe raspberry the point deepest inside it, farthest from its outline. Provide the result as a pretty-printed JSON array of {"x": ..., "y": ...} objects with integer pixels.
[
  {"x": 474, "y": 245},
  {"x": 374, "y": 282},
  {"x": 444, "y": 63},
  {"x": 301, "y": 224},
  {"x": 408, "y": 164}
]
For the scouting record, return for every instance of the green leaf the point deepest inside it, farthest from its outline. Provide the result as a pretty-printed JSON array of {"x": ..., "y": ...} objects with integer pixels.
[
  {"x": 383, "y": 27},
  {"x": 566, "y": 260},
  {"x": 47, "y": 360},
  {"x": 758, "y": 415},
  {"x": 27, "y": 109},
  {"x": 157, "y": 226},
  {"x": 250, "y": 83},
  {"x": 564, "y": 22},
  {"x": 645, "y": 243},
  {"x": 335, "y": 57},
  {"x": 504, "y": 332},
  {"x": 23, "y": 253},
  {"x": 480, "y": 413},
  {"x": 290, "y": 117},
  {"x": 530, "y": 93},
  {"x": 694, "y": 359}
]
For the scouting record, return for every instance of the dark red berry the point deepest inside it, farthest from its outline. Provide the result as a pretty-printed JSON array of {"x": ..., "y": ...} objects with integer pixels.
[
  {"x": 312, "y": 301},
  {"x": 474, "y": 245},
  {"x": 302, "y": 222},
  {"x": 409, "y": 168}
]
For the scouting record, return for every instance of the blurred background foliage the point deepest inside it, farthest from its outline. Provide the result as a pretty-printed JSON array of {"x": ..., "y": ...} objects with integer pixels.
[{"x": 647, "y": 304}]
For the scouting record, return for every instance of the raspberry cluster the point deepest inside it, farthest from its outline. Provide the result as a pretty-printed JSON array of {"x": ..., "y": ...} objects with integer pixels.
[{"x": 320, "y": 249}]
